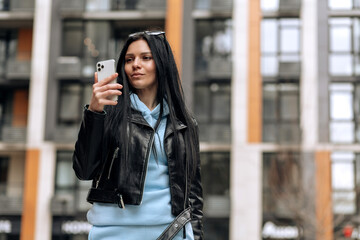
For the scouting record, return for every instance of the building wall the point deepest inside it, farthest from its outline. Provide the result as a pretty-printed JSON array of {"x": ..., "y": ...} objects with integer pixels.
[{"x": 267, "y": 117}]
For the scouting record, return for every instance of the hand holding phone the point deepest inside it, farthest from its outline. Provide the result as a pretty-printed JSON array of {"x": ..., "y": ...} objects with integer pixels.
[{"x": 105, "y": 89}]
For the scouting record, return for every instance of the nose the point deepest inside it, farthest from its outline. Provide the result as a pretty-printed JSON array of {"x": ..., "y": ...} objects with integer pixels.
[{"x": 136, "y": 63}]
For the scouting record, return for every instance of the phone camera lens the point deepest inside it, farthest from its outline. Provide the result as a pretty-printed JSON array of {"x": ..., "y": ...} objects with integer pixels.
[
  {"x": 98, "y": 64},
  {"x": 99, "y": 69},
  {"x": 102, "y": 66}
]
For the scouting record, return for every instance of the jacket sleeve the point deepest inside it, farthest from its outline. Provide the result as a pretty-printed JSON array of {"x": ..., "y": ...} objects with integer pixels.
[
  {"x": 87, "y": 154},
  {"x": 196, "y": 197}
]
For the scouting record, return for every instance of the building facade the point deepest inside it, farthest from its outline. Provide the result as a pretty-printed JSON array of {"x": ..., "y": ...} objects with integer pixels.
[{"x": 272, "y": 83}]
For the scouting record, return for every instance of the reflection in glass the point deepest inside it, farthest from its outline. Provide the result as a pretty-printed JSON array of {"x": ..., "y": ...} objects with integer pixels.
[
  {"x": 340, "y": 65},
  {"x": 290, "y": 40},
  {"x": 341, "y": 105},
  {"x": 281, "y": 113},
  {"x": 269, "y": 65},
  {"x": 340, "y": 39},
  {"x": 269, "y": 5},
  {"x": 342, "y": 132},
  {"x": 340, "y": 4},
  {"x": 212, "y": 110},
  {"x": 269, "y": 41},
  {"x": 343, "y": 182},
  {"x": 70, "y": 100},
  {"x": 342, "y": 175},
  {"x": 213, "y": 48},
  {"x": 344, "y": 202}
]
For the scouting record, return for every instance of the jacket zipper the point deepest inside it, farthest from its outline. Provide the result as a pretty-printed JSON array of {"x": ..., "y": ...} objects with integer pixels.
[
  {"x": 146, "y": 166},
  {"x": 112, "y": 161}
]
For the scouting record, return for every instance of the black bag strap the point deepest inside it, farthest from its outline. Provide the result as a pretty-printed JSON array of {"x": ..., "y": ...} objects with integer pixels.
[{"x": 176, "y": 225}]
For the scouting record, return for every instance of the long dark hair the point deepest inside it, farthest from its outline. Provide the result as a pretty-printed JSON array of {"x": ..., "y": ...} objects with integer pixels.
[{"x": 169, "y": 88}]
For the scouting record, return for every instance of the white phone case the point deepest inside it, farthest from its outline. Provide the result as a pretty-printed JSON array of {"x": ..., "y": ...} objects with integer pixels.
[{"x": 105, "y": 69}]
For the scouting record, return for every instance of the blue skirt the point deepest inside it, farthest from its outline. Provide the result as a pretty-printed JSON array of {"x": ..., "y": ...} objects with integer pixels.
[{"x": 144, "y": 232}]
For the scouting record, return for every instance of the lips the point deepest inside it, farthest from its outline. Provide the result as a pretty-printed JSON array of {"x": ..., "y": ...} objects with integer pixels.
[{"x": 134, "y": 75}]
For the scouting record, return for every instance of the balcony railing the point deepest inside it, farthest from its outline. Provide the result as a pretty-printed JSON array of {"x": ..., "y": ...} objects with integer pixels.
[
  {"x": 112, "y": 5},
  {"x": 16, "y": 69},
  {"x": 11, "y": 199},
  {"x": 13, "y": 129}
]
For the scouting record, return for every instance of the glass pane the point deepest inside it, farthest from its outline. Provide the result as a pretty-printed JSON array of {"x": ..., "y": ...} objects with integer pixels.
[
  {"x": 340, "y": 65},
  {"x": 221, "y": 103},
  {"x": 97, "y": 35},
  {"x": 289, "y": 107},
  {"x": 340, "y": 39},
  {"x": 290, "y": 40},
  {"x": 356, "y": 34},
  {"x": 344, "y": 202},
  {"x": 289, "y": 132},
  {"x": 87, "y": 94},
  {"x": 269, "y": 65},
  {"x": 72, "y": 43},
  {"x": 340, "y": 21},
  {"x": 269, "y": 36},
  {"x": 357, "y": 64},
  {"x": 70, "y": 99},
  {"x": 269, "y": 5},
  {"x": 270, "y": 132},
  {"x": 342, "y": 175},
  {"x": 342, "y": 132},
  {"x": 357, "y": 173},
  {"x": 340, "y": 4},
  {"x": 341, "y": 106},
  {"x": 269, "y": 102},
  {"x": 202, "y": 103},
  {"x": 98, "y": 5},
  {"x": 343, "y": 156},
  {"x": 213, "y": 47},
  {"x": 65, "y": 176},
  {"x": 290, "y": 22}
]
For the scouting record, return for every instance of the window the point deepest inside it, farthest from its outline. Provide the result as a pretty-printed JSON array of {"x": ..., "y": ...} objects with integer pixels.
[
  {"x": 281, "y": 114},
  {"x": 213, "y": 5},
  {"x": 280, "y": 43},
  {"x": 284, "y": 189},
  {"x": 343, "y": 128},
  {"x": 344, "y": 34},
  {"x": 4, "y": 166},
  {"x": 73, "y": 97},
  {"x": 280, "y": 68},
  {"x": 345, "y": 176},
  {"x": 343, "y": 5},
  {"x": 213, "y": 49},
  {"x": 66, "y": 183},
  {"x": 216, "y": 194},
  {"x": 8, "y": 45},
  {"x": 212, "y": 109},
  {"x": 213, "y": 79}
]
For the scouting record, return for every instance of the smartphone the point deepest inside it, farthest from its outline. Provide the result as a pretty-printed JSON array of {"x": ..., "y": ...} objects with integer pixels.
[{"x": 105, "y": 69}]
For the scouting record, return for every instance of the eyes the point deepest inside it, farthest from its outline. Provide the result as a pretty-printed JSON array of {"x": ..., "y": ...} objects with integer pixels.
[{"x": 130, "y": 59}]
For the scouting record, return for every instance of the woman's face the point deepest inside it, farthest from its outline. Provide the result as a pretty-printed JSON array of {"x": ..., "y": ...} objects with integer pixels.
[{"x": 140, "y": 66}]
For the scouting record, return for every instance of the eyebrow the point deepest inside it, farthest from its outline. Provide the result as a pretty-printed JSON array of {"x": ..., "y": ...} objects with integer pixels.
[{"x": 143, "y": 53}]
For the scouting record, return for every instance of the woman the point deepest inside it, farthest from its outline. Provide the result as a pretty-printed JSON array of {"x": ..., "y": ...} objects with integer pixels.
[{"x": 142, "y": 151}]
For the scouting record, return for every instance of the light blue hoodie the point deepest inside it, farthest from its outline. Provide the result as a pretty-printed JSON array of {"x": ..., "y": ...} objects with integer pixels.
[{"x": 155, "y": 210}]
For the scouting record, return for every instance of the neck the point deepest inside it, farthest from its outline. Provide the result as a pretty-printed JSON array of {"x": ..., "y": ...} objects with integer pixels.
[{"x": 148, "y": 98}]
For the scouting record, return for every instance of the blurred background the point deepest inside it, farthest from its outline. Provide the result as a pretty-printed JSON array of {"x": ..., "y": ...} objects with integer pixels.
[{"x": 274, "y": 85}]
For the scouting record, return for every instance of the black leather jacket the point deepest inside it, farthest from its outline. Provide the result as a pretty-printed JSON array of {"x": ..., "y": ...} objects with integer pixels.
[{"x": 94, "y": 159}]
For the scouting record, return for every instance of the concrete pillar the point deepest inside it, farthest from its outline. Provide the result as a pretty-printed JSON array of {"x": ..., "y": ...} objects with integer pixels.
[
  {"x": 246, "y": 154},
  {"x": 309, "y": 74},
  {"x": 40, "y": 157}
]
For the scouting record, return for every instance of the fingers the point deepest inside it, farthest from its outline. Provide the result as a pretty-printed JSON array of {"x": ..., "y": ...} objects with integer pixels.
[
  {"x": 108, "y": 79},
  {"x": 95, "y": 77}
]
